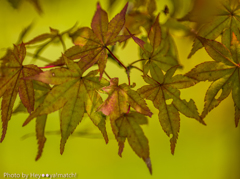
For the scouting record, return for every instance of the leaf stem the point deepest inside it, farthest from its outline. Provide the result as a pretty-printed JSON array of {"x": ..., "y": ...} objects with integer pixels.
[
  {"x": 126, "y": 68},
  {"x": 136, "y": 62},
  {"x": 137, "y": 68},
  {"x": 128, "y": 109},
  {"x": 107, "y": 75},
  {"x": 116, "y": 59}
]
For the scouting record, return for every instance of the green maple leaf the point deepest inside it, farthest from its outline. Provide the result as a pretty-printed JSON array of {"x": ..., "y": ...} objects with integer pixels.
[
  {"x": 40, "y": 90},
  {"x": 12, "y": 83},
  {"x": 224, "y": 72},
  {"x": 75, "y": 94},
  {"x": 91, "y": 44},
  {"x": 224, "y": 19},
  {"x": 119, "y": 99},
  {"x": 127, "y": 126},
  {"x": 157, "y": 55},
  {"x": 164, "y": 87}
]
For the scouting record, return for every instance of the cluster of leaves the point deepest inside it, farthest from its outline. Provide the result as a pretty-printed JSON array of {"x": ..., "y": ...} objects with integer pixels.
[{"x": 69, "y": 88}]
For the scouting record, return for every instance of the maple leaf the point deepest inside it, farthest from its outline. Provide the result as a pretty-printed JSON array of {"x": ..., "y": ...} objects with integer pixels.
[
  {"x": 157, "y": 55},
  {"x": 41, "y": 90},
  {"x": 164, "y": 87},
  {"x": 73, "y": 93},
  {"x": 127, "y": 126},
  {"x": 119, "y": 99},
  {"x": 91, "y": 44},
  {"x": 12, "y": 72},
  {"x": 223, "y": 15},
  {"x": 224, "y": 72}
]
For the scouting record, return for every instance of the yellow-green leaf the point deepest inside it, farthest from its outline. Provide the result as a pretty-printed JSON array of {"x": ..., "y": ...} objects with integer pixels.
[
  {"x": 74, "y": 94},
  {"x": 12, "y": 83},
  {"x": 127, "y": 126},
  {"x": 161, "y": 91},
  {"x": 224, "y": 73},
  {"x": 119, "y": 99}
]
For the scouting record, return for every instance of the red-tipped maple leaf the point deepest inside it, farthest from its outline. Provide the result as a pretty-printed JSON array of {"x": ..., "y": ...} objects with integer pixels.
[
  {"x": 91, "y": 44},
  {"x": 75, "y": 94},
  {"x": 12, "y": 83},
  {"x": 119, "y": 99}
]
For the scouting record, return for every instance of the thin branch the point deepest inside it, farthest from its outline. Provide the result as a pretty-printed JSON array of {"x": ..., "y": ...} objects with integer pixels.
[
  {"x": 137, "y": 68},
  {"x": 116, "y": 59},
  {"x": 127, "y": 69},
  {"x": 107, "y": 75},
  {"x": 136, "y": 62}
]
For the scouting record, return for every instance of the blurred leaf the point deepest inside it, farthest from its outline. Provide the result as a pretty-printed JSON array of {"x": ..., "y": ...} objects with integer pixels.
[
  {"x": 216, "y": 16},
  {"x": 16, "y": 3},
  {"x": 48, "y": 38},
  {"x": 24, "y": 32},
  {"x": 224, "y": 72},
  {"x": 37, "y": 5},
  {"x": 142, "y": 15}
]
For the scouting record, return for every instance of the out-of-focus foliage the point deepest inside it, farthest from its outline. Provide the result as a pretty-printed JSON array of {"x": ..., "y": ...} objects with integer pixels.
[
  {"x": 61, "y": 85},
  {"x": 16, "y": 4}
]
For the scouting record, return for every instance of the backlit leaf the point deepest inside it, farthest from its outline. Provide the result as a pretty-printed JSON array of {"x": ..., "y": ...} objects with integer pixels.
[
  {"x": 12, "y": 83},
  {"x": 222, "y": 14},
  {"x": 74, "y": 94},
  {"x": 224, "y": 73},
  {"x": 161, "y": 90},
  {"x": 91, "y": 44},
  {"x": 119, "y": 99},
  {"x": 41, "y": 90},
  {"x": 127, "y": 126}
]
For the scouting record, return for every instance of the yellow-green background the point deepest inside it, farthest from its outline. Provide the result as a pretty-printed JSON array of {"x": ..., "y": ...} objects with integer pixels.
[{"x": 202, "y": 152}]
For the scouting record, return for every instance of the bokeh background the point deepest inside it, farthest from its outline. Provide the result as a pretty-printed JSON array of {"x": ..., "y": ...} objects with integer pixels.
[{"x": 210, "y": 152}]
